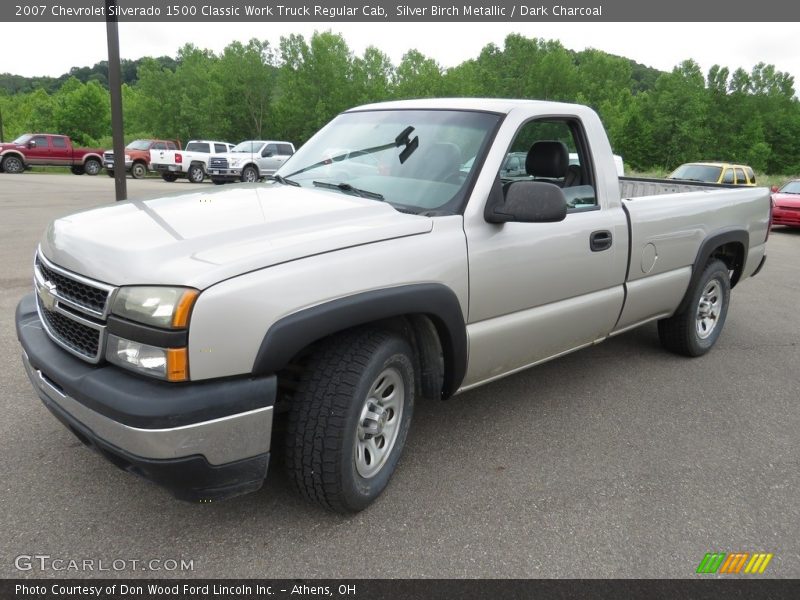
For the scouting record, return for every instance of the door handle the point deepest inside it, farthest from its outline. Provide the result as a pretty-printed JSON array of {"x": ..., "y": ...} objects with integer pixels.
[{"x": 600, "y": 240}]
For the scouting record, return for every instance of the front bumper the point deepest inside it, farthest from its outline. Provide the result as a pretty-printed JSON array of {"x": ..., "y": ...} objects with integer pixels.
[
  {"x": 785, "y": 216},
  {"x": 225, "y": 173},
  {"x": 203, "y": 441}
]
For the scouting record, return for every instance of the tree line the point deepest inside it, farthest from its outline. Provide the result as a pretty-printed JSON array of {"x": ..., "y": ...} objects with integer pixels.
[{"x": 655, "y": 120}]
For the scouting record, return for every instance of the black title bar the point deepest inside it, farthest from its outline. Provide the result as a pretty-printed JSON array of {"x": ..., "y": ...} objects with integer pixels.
[{"x": 372, "y": 11}]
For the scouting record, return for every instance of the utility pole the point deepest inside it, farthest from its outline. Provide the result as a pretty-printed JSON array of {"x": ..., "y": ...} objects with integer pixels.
[{"x": 115, "y": 88}]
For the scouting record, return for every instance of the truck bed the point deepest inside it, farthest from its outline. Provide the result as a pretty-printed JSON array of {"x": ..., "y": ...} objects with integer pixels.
[{"x": 634, "y": 187}]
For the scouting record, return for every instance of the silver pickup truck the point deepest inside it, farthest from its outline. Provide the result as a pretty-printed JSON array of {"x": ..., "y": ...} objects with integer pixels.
[{"x": 185, "y": 338}]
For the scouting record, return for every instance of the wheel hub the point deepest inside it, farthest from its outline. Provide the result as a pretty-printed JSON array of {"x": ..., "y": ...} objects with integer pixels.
[
  {"x": 374, "y": 420},
  {"x": 379, "y": 422}
]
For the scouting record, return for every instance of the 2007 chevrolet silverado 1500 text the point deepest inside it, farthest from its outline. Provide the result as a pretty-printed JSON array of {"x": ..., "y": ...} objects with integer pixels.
[{"x": 169, "y": 334}]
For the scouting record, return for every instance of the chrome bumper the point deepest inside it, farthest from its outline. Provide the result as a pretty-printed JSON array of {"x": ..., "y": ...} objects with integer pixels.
[{"x": 220, "y": 441}]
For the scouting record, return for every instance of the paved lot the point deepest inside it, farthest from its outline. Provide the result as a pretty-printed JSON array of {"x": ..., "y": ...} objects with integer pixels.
[{"x": 617, "y": 461}]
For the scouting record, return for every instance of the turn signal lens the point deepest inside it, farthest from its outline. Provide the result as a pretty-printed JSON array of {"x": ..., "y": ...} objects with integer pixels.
[
  {"x": 177, "y": 364},
  {"x": 180, "y": 318}
]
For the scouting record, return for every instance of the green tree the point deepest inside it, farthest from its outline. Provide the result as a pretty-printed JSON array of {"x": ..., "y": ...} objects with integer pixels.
[{"x": 82, "y": 111}]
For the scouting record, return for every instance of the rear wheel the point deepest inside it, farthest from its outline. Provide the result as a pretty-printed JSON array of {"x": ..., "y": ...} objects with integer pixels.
[
  {"x": 694, "y": 330},
  {"x": 138, "y": 170},
  {"x": 92, "y": 166},
  {"x": 170, "y": 177},
  {"x": 13, "y": 164},
  {"x": 349, "y": 419},
  {"x": 250, "y": 174},
  {"x": 195, "y": 174}
]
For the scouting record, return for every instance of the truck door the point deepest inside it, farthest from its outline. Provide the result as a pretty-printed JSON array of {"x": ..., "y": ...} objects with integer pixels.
[
  {"x": 538, "y": 290},
  {"x": 38, "y": 151},
  {"x": 60, "y": 151},
  {"x": 269, "y": 161}
]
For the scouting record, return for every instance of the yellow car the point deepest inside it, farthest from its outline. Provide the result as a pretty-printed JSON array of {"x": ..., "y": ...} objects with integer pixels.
[{"x": 715, "y": 172}]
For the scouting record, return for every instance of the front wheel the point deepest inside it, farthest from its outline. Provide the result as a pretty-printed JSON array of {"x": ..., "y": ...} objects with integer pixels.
[
  {"x": 13, "y": 164},
  {"x": 349, "y": 419},
  {"x": 92, "y": 166},
  {"x": 195, "y": 174},
  {"x": 138, "y": 170},
  {"x": 250, "y": 174},
  {"x": 695, "y": 329}
]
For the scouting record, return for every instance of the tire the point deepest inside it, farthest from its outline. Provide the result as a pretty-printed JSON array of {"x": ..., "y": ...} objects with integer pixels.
[
  {"x": 92, "y": 166},
  {"x": 110, "y": 172},
  {"x": 77, "y": 170},
  {"x": 138, "y": 170},
  {"x": 250, "y": 174},
  {"x": 349, "y": 419},
  {"x": 695, "y": 330},
  {"x": 195, "y": 174},
  {"x": 217, "y": 181},
  {"x": 169, "y": 177},
  {"x": 13, "y": 164}
]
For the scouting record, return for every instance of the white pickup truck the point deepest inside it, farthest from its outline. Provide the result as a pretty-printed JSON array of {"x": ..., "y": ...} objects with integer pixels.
[
  {"x": 171, "y": 334},
  {"x": 249, "y": 161},
  {"x": 191, "y": 162}
]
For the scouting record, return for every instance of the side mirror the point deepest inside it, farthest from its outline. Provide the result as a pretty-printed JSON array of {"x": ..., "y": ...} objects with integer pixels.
[
  {"x": 266, "y": 154},
  {"x": 32, "y": 144},
  {"x": 527, "y": 202},
  {"x": 774, "y": 189}
]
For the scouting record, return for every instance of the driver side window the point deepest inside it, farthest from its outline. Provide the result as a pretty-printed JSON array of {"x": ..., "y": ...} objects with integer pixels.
[{"x": 555, "y": 151}]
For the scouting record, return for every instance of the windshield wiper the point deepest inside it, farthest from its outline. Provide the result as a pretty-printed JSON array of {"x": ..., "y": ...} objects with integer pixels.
[
  {"x": 404, "y": 139},
  {"x": 283, "y": 180},
  {"x": 349, "y": 189}
]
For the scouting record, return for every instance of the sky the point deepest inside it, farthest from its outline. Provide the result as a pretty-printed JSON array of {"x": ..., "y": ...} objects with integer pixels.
[{"x": 659, "y": 45}]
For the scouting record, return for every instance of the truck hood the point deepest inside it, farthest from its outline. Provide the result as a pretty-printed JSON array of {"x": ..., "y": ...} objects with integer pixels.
[{"x": 202, "y": 238}]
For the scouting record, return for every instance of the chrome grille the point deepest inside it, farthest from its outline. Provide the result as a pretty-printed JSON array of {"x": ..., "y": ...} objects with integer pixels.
[
  {"x": 72, "y": 309},
  {"x": 78, "y": 337},
  {"x": 84, "y": 295},
  {"x": 218, "y": 162},
  {"x": 108, "y": 156}
]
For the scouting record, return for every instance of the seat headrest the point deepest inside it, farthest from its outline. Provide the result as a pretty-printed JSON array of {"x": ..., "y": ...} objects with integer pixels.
[{"x": 548, "y": 158}]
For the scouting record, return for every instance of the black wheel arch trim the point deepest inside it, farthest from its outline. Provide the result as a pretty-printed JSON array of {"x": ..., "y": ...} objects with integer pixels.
[
  {"x": 289, "y": 335},
  {"x": 707, "y": 248}
]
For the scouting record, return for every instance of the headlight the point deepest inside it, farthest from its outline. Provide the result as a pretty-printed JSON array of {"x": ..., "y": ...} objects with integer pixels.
[
  {"x": 165, "y": 307},
  {"x": 165, "y": 363},
  {"x": 127, "y": 158}
]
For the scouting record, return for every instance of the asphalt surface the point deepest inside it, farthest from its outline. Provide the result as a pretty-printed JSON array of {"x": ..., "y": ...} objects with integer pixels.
[{"x": 617, "y": 461}]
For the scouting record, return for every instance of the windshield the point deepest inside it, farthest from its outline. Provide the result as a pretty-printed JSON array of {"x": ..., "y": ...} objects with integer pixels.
[
  {"x": 412, "y": 159},
  {"x": 793, "y": 187},
  {"x": 23, "y": 138},
  {"x": 251, "y": 147},
  {"x": 138, "y": 145},
  {"x": 707, "y": 173}
]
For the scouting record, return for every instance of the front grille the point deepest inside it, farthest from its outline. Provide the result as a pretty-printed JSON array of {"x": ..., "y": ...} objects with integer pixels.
[
  {"x": 108, "y": 156},
  {"x": 77, "y": 336},
  {"x": 72, "y": 309},
  {"x": 75, "y": 291},
  {"x": 218, "y": 162}
]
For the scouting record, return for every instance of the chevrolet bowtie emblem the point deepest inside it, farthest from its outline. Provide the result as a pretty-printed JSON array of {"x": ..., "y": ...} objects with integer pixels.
[{"x": 48, "y": 295}]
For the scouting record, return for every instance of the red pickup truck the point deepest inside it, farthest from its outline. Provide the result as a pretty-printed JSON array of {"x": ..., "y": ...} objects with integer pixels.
[
  {"x": 46, "y": 149},
  {"x": 137, "y": 156}
]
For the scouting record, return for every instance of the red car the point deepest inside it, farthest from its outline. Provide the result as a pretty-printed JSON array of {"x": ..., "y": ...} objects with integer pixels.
[{"x": 786, "y": 204}]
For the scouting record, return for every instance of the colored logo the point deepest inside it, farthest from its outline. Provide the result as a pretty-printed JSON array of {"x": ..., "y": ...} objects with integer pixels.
[{"x": 734, "y": 562}]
